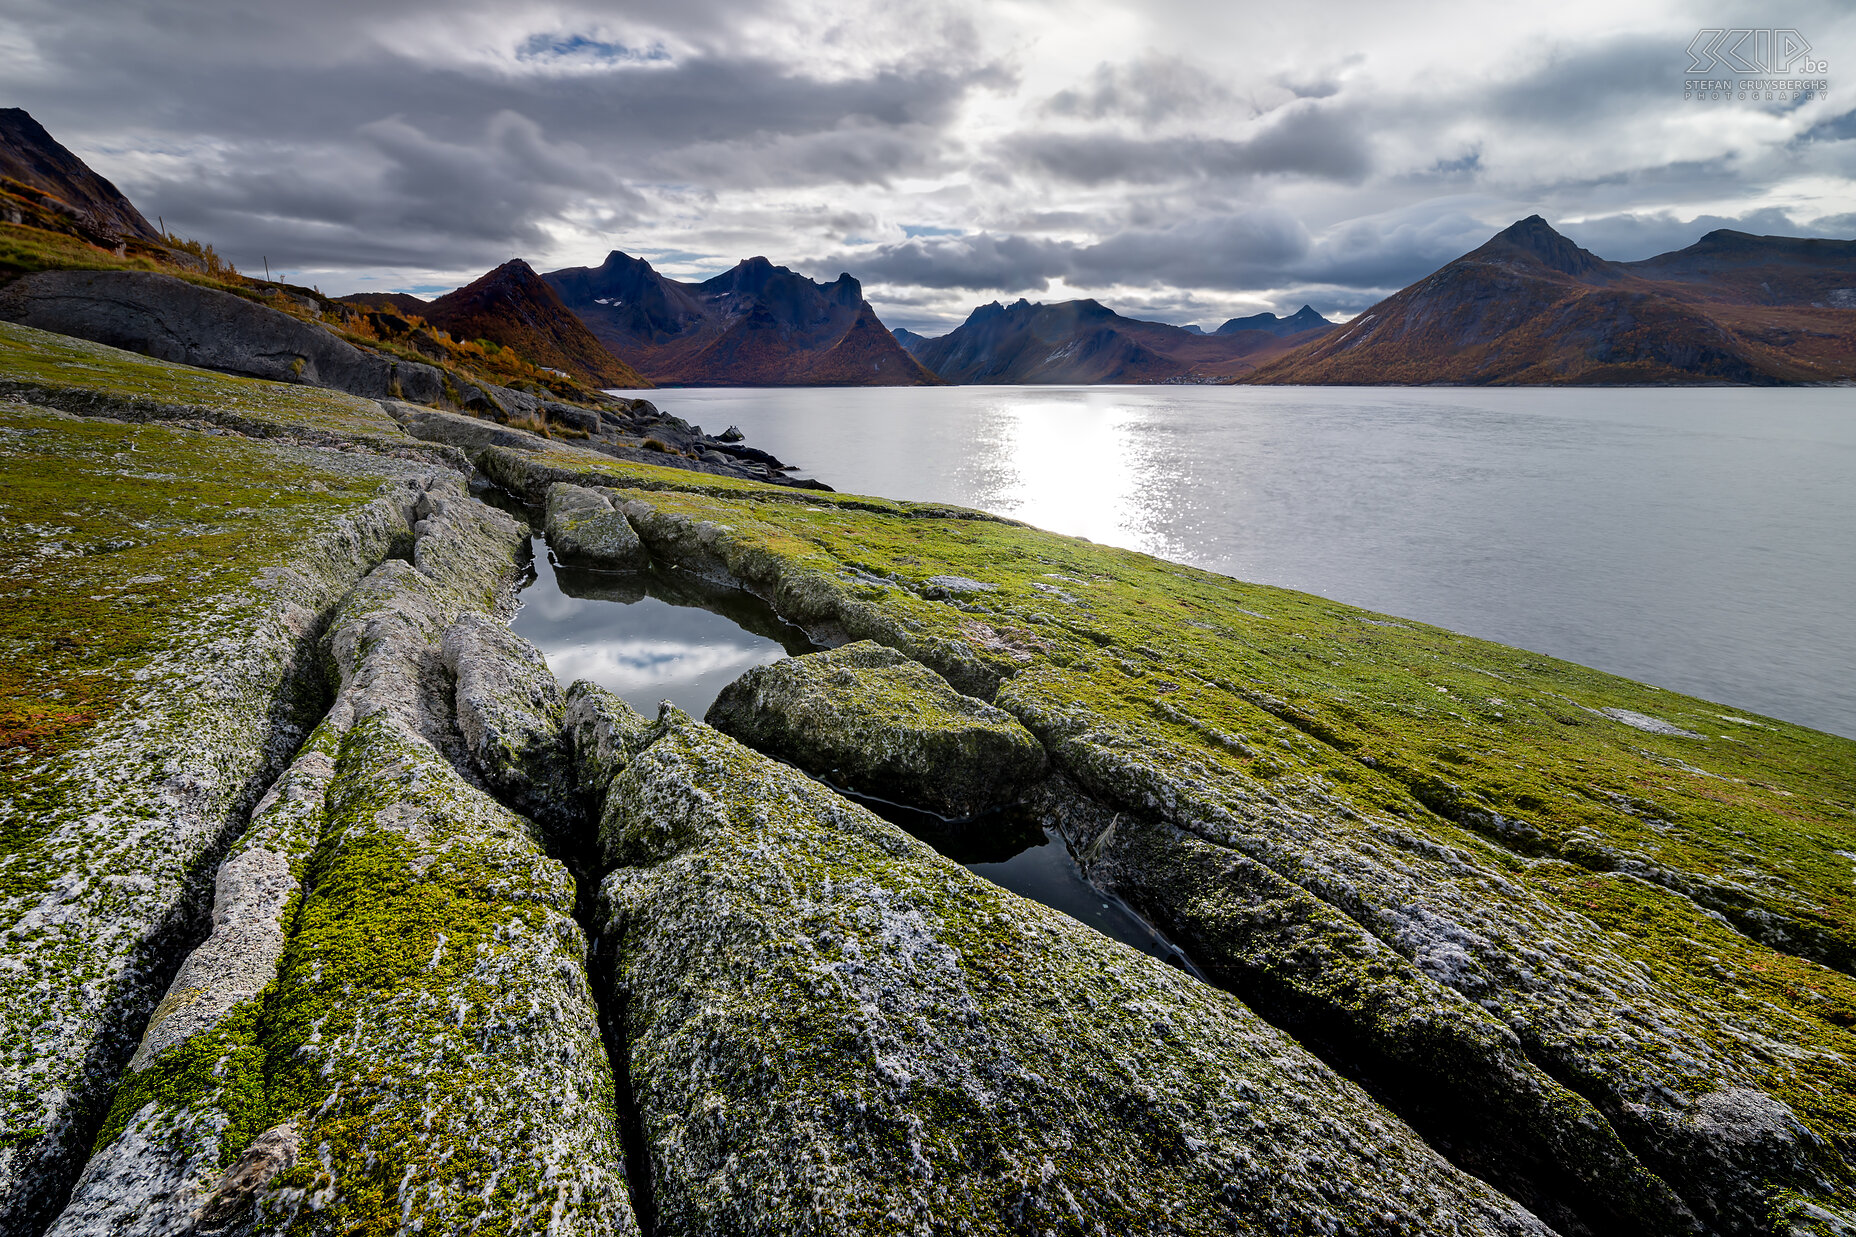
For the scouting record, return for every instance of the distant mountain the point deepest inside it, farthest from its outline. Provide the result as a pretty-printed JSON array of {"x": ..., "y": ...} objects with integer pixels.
[
  {"x": 399, "y": 302},
  {"x": 756, "y": 325},
  {"x": 1531, "y": 307},
  {"x": 39, "y": 175},
  {"x": 515, "y": 307},
  {"x": 1303, "y": 319},
  {"x": 1080, "y": 342},
  {"x": 907, "y": 338}
]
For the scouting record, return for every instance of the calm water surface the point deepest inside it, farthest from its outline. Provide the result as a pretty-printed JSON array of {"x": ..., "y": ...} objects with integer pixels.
[
  {"x": 649, "y": 637},
  {"x": 1700, "y": 540}
]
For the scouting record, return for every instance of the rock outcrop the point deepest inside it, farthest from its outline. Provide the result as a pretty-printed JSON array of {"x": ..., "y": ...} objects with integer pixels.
[
  {"x": 832, "y": 1029},
  {"x": 190, "y": 680},
  {"x": 389, "y": 1017},
  {"x": 586, "y": 530},
  {"x": 868, "y": 719},
  {"x": 173, "y": 320}
]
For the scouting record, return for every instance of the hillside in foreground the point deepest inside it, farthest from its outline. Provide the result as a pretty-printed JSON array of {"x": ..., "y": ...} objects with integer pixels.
[{"x": 1531, "y": 308}]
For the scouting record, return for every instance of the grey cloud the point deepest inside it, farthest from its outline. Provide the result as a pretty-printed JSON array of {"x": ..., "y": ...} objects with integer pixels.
[
  {"x": 1257, "y": 248},
  {"x": 356, "y": 150},
  {"x": 1152, "y": 89},
  {"x": 1005, "y": 263},
  {"x": 1306, "y": 139}
]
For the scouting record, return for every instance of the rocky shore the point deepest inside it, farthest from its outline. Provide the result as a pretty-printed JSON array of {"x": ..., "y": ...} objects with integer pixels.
[{"x": 326, "y": 909}]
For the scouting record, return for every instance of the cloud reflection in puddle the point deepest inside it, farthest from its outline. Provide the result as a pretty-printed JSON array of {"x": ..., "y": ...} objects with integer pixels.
[{"x": 621, "y": 632}]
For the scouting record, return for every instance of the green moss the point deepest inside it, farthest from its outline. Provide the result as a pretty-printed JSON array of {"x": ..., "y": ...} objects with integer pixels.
[
  {"x": 94, "y": 374},
  {"x": 1500, "y": 754},
  {"x": 117, "y": 532},
  {"x": 390, "y": 1040},
  {"x": 221, "y": 1071}
]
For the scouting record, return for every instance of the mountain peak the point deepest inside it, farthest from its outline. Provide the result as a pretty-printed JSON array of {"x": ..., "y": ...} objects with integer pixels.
[
  {"x": 1534, "y": 238},
  {"x": 39, "y": 164},
  {"x": 515, "y": 307},
  {"x": 755, "y": 324}
]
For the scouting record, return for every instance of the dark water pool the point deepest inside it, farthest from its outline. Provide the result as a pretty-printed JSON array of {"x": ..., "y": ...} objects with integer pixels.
[
  {"x": 661, "y": 635},
  {"x": 649, "y": 636}
]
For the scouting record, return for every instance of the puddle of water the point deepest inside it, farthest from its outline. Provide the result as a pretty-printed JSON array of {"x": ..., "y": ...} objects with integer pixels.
[
  {"x": 649, "y": 636},
  {"x": 659, "y": 635},
  {"x": 1013, "y": 850}
]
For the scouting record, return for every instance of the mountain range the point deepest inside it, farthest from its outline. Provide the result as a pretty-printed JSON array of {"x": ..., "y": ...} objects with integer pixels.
[
  {"x": 1531, "y": 308},
  {"x": 755, "y": 325},
  {"x": 1303, "y": 319},
  {"x": 1082, "y": 342},
  {"x": 1527, "y": 307}
]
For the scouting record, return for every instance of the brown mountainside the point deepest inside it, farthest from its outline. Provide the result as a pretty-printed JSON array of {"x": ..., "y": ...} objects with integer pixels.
[
  {"x": 755, "y": 325},
  {"x": 1531, "y": 308},
  {"x": 398, "y": 302},
  {"x": 37, "y": 174},
  {"x": 514, "y": 307}
]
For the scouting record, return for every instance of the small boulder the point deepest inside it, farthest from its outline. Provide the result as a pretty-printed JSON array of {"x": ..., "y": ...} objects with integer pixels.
[
  {"x": 870, "y": 720},
  {"x": 586, "y": 530}
]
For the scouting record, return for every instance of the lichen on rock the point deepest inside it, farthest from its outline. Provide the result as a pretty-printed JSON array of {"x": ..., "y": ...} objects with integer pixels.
[
  {"x": 832, "y": 1029},
  {"x": 391, "y": 1015},
  {"x": 868, "y": 719},
  {"x": 1652, "y": 924},
  {"x": 586, "y": 530}
]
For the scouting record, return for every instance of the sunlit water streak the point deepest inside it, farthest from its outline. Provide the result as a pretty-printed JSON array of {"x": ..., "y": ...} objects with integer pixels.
[{"x": 1697, "y": 539}]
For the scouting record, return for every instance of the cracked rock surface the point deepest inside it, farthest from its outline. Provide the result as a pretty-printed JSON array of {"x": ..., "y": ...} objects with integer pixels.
[
  {"x": 873, "y": 721},
  {"x": 834, "y": 1029}
]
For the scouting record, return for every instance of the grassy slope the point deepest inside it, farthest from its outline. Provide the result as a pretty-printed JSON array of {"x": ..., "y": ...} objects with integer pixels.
[
  {"x": 118, "y": 527},
  {"x": 25, "y": 250}
]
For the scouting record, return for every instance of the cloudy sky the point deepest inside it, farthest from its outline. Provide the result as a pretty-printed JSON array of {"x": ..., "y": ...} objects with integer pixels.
[{"x": 1184, "y": 160}]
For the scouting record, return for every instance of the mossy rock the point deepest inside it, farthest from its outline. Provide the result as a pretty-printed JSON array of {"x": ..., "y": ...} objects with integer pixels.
[
  {"x": 585, "y": 530},
  {"x": 831, "y": 1029},
  {"x": 868, "y": 719},
  {"x": 1659, "y": 915},
  {"x": 391, "y": 1017}
]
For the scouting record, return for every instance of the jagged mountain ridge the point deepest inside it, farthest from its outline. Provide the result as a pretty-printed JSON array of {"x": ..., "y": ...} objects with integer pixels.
[
  {"x": 1530, "y": 307},
  {"x": 516, "y": 308},
  {"x": 754, "y": 325},
  {"x": 1084, "y": 341}
]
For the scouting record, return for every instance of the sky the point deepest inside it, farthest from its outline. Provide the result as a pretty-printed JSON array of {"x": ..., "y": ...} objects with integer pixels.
[{"x": 1180, "y": 160}]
